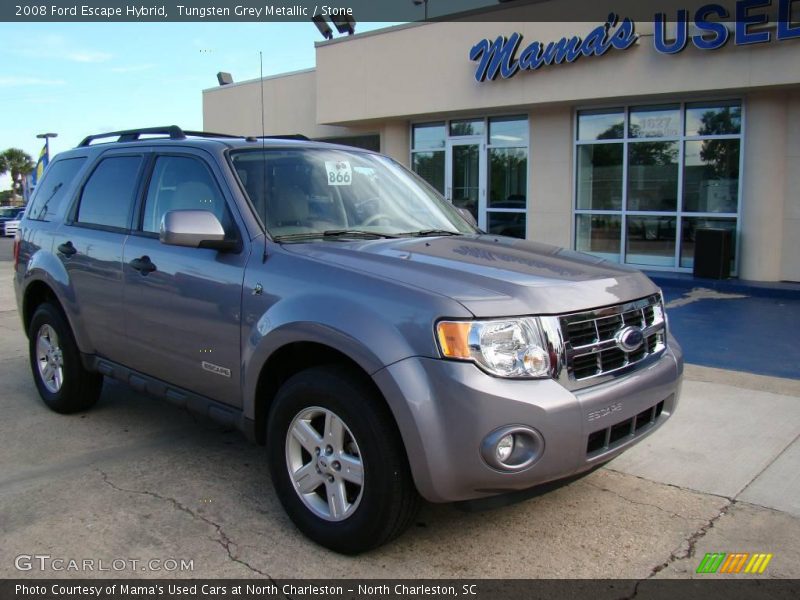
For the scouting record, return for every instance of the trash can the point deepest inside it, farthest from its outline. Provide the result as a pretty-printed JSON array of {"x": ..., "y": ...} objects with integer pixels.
[{"x": 712, "y": 253}]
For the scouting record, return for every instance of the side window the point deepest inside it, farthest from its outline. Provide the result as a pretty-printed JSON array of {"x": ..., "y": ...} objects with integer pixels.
[
  {"x": 108, "y": 194},
  {"x": 182, "y": 183},
  {"x": 51, "y": 190}
]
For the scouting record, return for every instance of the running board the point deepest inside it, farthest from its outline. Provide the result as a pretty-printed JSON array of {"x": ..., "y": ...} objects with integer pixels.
[{"x": 228, "y": 416}]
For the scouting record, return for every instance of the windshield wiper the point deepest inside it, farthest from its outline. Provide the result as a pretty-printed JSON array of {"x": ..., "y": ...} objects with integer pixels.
[
  {"x": 333, "y": 234},
  {"x": 429, "y": 232}
]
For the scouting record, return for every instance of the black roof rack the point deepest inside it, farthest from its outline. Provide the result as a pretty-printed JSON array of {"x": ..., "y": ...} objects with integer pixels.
[
  {"x": 288, "y": 136},
  {"x": 175, "y": 133},
  {"x": 131, "y": 135}
]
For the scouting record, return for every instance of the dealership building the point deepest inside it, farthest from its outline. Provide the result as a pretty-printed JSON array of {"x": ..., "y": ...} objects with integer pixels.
[{"x": 621, "y": 139}]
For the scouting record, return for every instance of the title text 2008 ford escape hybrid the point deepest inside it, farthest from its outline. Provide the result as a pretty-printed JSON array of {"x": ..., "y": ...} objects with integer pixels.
[{"x": 335, "y": 308}]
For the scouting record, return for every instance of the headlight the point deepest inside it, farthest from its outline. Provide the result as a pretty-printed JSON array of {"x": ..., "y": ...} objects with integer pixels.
[{"x": 506, "y": 348}]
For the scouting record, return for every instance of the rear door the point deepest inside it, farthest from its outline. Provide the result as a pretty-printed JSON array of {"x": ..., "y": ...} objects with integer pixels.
[
  {"x": 183, "y": 309},
  {"x": 89, "y": 243}
]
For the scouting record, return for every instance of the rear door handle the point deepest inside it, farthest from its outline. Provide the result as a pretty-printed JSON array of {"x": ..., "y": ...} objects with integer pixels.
[
  {"x": 143, "y": 264},
  {"x": 67, "y": 249}
]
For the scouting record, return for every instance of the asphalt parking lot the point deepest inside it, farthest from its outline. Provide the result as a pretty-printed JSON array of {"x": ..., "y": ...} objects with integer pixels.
[{"x": 136, "y": 478}]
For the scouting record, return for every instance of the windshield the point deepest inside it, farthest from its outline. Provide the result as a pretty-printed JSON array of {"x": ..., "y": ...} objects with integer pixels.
[
  {"x": 9, "y": 212},
  {"x": 307, "y": 193}
]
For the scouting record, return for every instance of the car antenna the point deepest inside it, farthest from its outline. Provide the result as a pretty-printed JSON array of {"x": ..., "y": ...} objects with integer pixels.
[{"x": 263, "y": 151}]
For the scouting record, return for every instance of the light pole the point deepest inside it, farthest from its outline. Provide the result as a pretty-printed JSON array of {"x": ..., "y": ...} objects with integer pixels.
[
  {"x": 425, "y": 2},
  {"x": 46, "y": 137}
]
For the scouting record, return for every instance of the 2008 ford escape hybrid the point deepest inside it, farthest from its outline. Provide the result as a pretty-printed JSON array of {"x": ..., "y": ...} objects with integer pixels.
[{"x": 337, "y": 310}]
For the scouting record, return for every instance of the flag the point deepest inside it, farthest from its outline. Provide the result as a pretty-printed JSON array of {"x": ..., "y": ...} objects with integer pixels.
[{"x": 40, "y": 165}]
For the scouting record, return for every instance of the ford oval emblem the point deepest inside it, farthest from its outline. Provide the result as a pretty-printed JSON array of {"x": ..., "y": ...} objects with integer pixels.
[{"x": 629, "y": 339}]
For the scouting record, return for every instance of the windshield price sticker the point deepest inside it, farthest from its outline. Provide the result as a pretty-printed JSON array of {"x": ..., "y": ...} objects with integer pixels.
[{"x": 339, "y": 172}]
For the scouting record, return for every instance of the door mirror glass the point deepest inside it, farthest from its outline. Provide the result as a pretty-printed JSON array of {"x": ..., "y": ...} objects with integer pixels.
[{"x": 193, "y": 229}]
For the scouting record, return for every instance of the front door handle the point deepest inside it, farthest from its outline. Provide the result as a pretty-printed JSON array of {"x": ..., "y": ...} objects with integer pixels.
[
  {"x": 144, "y": 265},
  {"x": 67, "y": 249}
]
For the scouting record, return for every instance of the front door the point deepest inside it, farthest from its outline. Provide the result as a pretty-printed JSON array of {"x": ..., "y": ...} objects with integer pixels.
[
  {"x": 465, "y": 176},
  {"x": 183, "y": 305}
]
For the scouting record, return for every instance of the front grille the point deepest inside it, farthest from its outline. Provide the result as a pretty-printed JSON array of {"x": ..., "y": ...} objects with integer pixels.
[
  {"x": 603, "y": 440},
  {"x": 590, "y": 337}
]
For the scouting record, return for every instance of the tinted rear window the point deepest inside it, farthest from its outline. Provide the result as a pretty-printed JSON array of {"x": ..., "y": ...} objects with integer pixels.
[
  {"x": 108, "y": 194},
  {"x": 51, "y": 191}
]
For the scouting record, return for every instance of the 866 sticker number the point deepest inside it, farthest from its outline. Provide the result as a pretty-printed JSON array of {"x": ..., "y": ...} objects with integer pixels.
[{"x": 339, "y": 172}]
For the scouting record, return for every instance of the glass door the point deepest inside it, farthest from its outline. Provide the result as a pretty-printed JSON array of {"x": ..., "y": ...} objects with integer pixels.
[{"x": 465, "y": 176}]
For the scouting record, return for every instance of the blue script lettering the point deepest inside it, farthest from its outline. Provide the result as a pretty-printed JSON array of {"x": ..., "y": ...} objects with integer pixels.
[{"x": 500, "y": 56}]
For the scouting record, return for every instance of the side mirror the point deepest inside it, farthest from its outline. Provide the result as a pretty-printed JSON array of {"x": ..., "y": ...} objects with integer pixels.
[
  {"x": 193, "y": 229},
  {"x": 467, "y": 215}
]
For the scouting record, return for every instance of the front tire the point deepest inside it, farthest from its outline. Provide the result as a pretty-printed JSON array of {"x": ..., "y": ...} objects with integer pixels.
[
  {"x": 337, "y": 461},
  {"x": 62, "y": 381}
]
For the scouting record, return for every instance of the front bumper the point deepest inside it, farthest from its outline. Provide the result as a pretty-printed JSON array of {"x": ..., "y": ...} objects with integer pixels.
[{"x": 445, "y": 409}]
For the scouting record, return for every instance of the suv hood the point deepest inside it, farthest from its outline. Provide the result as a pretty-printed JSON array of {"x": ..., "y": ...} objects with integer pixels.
[{"x": 490, "y": 275}]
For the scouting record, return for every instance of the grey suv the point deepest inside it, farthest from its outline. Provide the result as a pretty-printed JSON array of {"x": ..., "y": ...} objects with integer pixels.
[{"x": 336, "y": 309}]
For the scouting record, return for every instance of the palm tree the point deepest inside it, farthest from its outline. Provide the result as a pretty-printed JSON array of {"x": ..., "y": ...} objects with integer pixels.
[{"x": 18, "y": 164}]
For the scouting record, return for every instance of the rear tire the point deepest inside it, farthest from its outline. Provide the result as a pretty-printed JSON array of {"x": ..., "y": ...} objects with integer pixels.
[
  {"x": 62, "y": 381},
  {"x": 337, "y": 461}
]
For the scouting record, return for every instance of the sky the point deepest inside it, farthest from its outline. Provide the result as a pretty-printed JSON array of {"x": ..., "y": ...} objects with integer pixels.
[{"x": 76, "y": 79}]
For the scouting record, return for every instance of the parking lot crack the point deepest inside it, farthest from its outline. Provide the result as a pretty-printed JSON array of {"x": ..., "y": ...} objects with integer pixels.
[
  {"x": 222, "y": 538},
  {"x": 636, "y": 502},
  {"x": 686, "y": 550}
]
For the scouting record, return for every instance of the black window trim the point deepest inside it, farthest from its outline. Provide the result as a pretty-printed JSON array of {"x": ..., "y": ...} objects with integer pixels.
[
  {"x": 67, "y": 196},
  {"x": 72, "y": 216}
]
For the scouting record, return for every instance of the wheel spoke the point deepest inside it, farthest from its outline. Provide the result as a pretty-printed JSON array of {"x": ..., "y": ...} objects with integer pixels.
[
  {"x": 57, "y": 377},
  {"x": 304, "y": 433},
  {"x": 334, "y": 431},
  {"x": 307, "y": 478},
  {"x": 337, "y": 498},
  {"x": 44, "y": 345},
  {"x": 47, "y": 372},
  {"x": 352, "y": 469}
]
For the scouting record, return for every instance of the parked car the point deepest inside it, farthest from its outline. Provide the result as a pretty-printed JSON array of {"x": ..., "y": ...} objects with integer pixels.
[
  {"x": 336, "y": 309},
  {"x": 9, "y": 213},
  {"x": 10, "y": 227}
]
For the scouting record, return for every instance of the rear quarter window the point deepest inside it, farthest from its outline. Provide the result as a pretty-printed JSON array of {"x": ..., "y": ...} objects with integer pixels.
[
  {"x": 50, "y": 193},
  {"x": 107, "y": 197}
]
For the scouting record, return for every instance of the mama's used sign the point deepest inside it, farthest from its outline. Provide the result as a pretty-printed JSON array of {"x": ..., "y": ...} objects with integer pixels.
[{"x": 503, "y": 57}]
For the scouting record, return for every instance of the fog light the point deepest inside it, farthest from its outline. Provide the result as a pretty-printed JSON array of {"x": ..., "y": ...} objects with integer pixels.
[
  {"x": 512, "y": 448},
  {"x": 505, "y": 447}
]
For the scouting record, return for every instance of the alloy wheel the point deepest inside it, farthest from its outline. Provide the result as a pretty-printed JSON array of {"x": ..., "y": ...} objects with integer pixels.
[{"x": 324, "y": 463}]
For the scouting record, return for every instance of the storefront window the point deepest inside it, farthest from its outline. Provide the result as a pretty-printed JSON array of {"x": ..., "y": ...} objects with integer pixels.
[
  {"x": 711, "y": 176},
  {"x": 429, "y": 136},
  {"x": 713, "y": 119},
  {"x": 466, "y": 127},
  {"x": 507, "y": 198},
  {"x": 430, "y": 166},
  {"x": 689, "y": 229},
  {"x": 479, "y": 164},
  {"x": 428, "y": 153},
  {"x": 511, "y": 224},
  {"x": 508, "y": 130},
  {"x": 651, "y": 241},
  {"x": 601, "y": 125},
  {"x": 600, "y": 176},
  {"x": 599, "y": 234},
  {"x": 508, "y": 177},
  {"x": 653, "y": 176},
  {"x": 655, "y": 121},
  {"x": 647, "y": 177}
]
